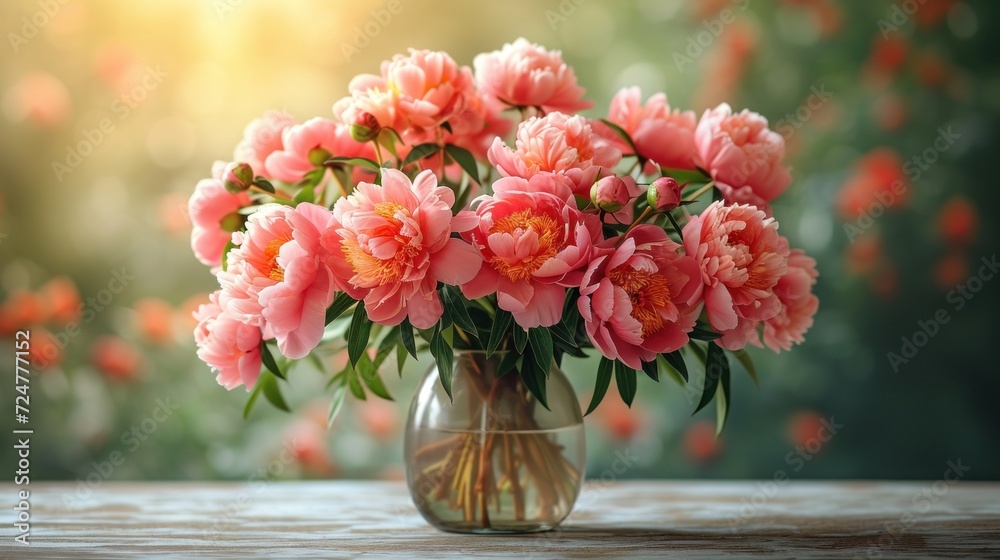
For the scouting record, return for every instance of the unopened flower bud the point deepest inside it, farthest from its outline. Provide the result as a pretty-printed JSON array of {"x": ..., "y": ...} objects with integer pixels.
[
  {"x": 318, "y": 156},
  {"x": 664, "y": 194},
  {"x": 365, "y": 128},
  {"x": 610, "y": 194},
  {"x": 237, "y": 177}
]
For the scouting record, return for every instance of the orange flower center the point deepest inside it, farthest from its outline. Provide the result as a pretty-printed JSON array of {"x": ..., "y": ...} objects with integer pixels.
[
  {"x": 270, "y": 267},
  {"x": 372, "y": 268},
  {"x": 517, "y": 224},
  {"x": 648, "y": 293}
]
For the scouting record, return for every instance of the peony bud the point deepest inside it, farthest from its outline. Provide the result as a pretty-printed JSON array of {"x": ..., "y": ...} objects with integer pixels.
[
  {"x": 365, "y": 128},
  {"x": 664, "y": 194},
  {"x": 610, "y": 194},
  {"x": 237, "y": 177}
]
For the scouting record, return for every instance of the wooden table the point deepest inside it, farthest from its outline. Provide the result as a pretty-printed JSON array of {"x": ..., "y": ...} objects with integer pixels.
[{"x": 343, "y": 519}]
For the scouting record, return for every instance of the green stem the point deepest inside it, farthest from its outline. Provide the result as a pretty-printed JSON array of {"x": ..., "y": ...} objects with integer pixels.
[{"x": 694, "y": 196}]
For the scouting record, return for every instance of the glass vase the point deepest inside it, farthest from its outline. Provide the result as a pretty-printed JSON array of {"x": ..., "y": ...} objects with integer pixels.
[{"x": 493, "y": 459}]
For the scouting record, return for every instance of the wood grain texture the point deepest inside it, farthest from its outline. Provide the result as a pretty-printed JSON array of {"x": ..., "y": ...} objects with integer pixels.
[{"x": 343, "y": 519}]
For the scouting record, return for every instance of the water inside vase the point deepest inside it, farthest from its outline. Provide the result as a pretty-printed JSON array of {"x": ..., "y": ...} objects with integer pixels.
[{"x": 496, "y": 481}]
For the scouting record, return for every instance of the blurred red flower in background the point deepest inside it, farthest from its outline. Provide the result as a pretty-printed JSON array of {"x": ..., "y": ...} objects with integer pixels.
[
  {"x": 958, "y": 221},
  {"x": 700, "y": 444},
  {"x": 116, "y": 358},
  {"x": 878, "y": 180}
]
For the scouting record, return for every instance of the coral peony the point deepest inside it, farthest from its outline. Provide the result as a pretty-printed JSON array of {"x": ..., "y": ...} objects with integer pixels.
[
  {"x": 277, "y": 278},
  {"x": 557, "y": 143},
  {"x": 640, "y": 299},
  {"x": 742, "y": 155},
  {"x": 660, "y": 135},
  {"x": 230, "y": 347},
  {"x": 741, "y": 257},
  {"x": 534, "y": 245},
  {"x": 308, "y": 145},
  {"x": 523, "y": 74},
  {"x": 798, "y": 304},
  {"x": 391, "y": 244},
  {"x": 214, "y": 217},
  {"x": 261, "y": 138}
]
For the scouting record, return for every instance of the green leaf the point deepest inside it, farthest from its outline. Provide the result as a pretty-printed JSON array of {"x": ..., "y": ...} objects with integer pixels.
[
  {"x": 225, "y": 253},
  {"x": 313, "y": 178},
  {"x": 369, "y": 374},
  {"x": 520, "y": 338},
  {"x": 676, "y": 361},
  {"x": 263, "y": 184},
  {"x": 401, "y": 355},
  {"x": 268, "y": 360},
  {"x": 305, "y": 194},
  {"x": 744, "y": 357},
  {"x": 664, "y": 366},
  {"x": 716, "y": 366},
  {"x": 700, "y": 333},
  {"x": 562, "y": 333},
  {"x": 444, "y": 356},
  {"x": 465, "y": 160},
  {"x": 603, "y": 382},
  {"x": 406, "y": 336},
  {"x": 621, "y": 132},
  {"x": 534, "y": 378},
  {"x": 252, "y": 400},
  {"x": 340, "y": 304},
  {"x": 541, "y": 347},
  {"x": 354, "y": 383},
  {"x": 388, "y": 138},
  {"x": 357, "y": 334},
  {"x": 360, "y": 161},
  {"x": 269, "y": 386},
  {"x": 507, "y": 363},
  {"x": 626, "y": 381},
  {"x": 447, "y": 126},
  {"x": 389, "y": 342},
  {"x": 421, "y": 151},
  {"x": 676, "y": 226},
  {"x": 652, "y": 369},
  {"x": 722, "y": 403},
  {"x": 454, "y": 304},
  {"x": 501, "y": 322},
  {"x": 336, "y": 403}
]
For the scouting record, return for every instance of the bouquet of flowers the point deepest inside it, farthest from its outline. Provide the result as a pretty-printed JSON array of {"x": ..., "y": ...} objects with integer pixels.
[{"x": 448, "y": 208}]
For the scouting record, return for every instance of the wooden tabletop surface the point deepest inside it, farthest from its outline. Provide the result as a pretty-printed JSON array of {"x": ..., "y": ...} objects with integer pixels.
[{"x": 345, "y": 519}]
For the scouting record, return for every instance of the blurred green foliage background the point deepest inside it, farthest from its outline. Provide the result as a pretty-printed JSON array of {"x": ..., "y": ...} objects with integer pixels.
[{"x": 112, "y": 111}]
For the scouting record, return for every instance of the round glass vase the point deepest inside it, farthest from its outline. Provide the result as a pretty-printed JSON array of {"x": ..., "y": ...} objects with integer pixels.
[{"x": 493, "y": 459}]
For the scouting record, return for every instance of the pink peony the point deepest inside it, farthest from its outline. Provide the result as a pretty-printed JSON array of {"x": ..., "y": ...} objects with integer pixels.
[
  {"x": 231, "y": 348},
  {"x": 414, "y": 94},
  {"x": 742, "y": 155},
  {"x": 277, "y": 278},
  {"x": 557, "y": 143},
  {"x": 741, "y": 257},
  {"x": 523, "y": 74},
  {"x": 214, "y": 217},
  {"x": 261, "y": 138},
  {"x": 640, "y": 299},
  {"x": 798, "y": 304},
  {"x": 660, "y": 135},
  {"x": 308, "y": 145},
  {"x": 391, "y": 244},
  {"x": 430, "y": 85},
  {"x": 534, "y": 245}
]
